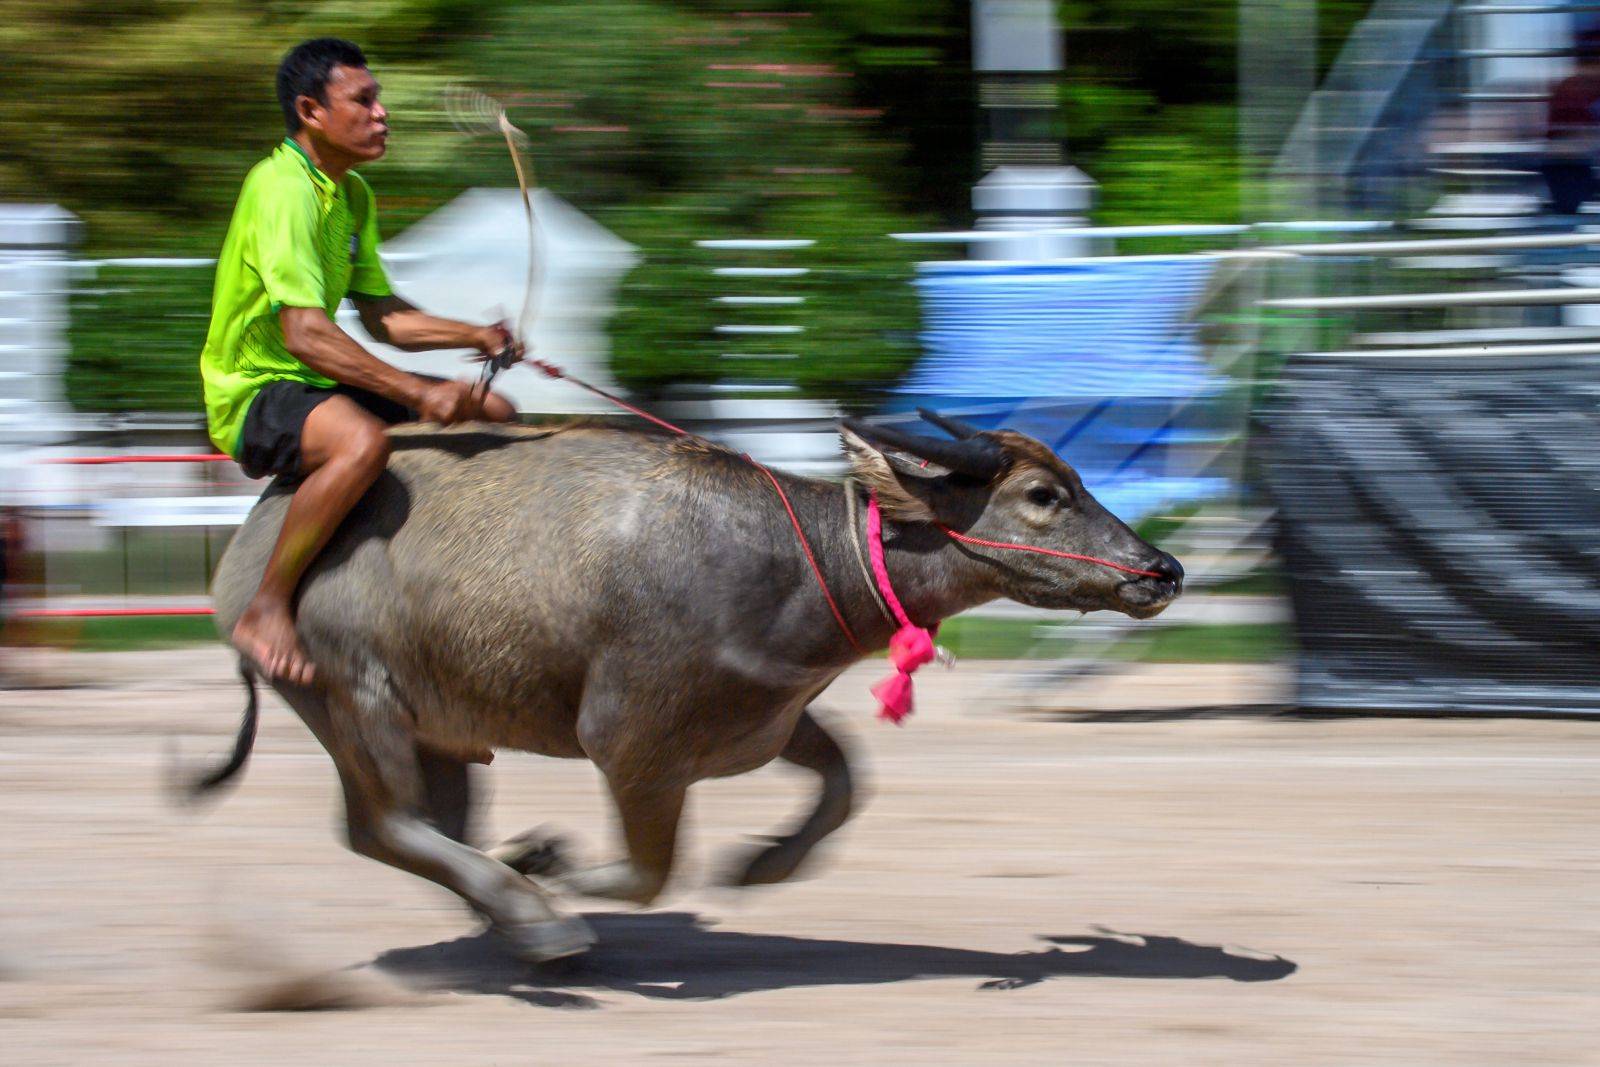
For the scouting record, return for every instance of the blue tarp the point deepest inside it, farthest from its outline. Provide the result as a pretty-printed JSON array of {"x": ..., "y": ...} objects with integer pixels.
[{"x": 1096, "y": 358}]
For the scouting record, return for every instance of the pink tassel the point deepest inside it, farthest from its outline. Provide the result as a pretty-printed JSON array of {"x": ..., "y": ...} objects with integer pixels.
[
  {"x": 909, "y": 648},
  {"x": 894, "y": 698}
]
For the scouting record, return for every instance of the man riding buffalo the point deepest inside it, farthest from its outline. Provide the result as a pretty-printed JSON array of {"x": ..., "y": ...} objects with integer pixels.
[
  {"x": 287, "y": 391},
  {"x": 653, "y": 603},
  {"x": 646, "y": 602}
]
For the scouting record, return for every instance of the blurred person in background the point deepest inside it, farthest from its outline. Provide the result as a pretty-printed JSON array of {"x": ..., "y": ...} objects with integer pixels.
[
  {"x": 17, "y": 574},
  {"x": 11, "y": 549},
  {"x": 1573, "y": 130},
  {"x": 288, "y": 392}
]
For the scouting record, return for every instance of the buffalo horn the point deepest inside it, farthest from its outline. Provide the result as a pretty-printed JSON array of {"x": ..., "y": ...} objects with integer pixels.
[
  {"x": 954, "y": 427},
  {"x": 976, "y": 458}
]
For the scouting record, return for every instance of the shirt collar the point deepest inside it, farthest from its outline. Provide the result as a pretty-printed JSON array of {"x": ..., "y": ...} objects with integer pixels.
[{"x": 322, "y": 181}]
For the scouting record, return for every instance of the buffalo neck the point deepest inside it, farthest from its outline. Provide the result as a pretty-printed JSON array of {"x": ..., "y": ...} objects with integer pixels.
[{"x": 931, "y": 576}]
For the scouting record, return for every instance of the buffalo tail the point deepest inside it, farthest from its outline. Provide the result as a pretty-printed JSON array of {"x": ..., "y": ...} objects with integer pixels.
[{"x": 190, "y": 788}]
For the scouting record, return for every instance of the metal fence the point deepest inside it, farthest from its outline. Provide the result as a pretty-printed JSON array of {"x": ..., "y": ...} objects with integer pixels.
[{"x": 133, "y": 542}]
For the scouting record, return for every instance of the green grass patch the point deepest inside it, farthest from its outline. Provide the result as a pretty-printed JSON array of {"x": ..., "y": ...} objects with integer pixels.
[
  {"x": 117, "y": 633},
  {"x": 1265, "y": 582},
  {"x": 1157, "y": 528},
  {"x": 968, "y": 638},
  {"x": 978, "y": 638},
  {"x": 990, "y": 638},
  {"x": 1261, "y": 642},
  {"x": 152, "y": 562}
]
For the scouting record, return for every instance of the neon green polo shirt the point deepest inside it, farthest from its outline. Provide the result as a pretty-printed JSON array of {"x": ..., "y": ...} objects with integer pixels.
[{"x": 298, "y": 239}]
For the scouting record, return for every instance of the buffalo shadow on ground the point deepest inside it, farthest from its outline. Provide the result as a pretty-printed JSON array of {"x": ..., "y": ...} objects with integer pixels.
[{"x": 678, "y": 956}]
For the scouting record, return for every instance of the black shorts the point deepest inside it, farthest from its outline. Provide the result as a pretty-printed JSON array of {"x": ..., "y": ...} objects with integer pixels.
[{"x": 270, "y": 441}]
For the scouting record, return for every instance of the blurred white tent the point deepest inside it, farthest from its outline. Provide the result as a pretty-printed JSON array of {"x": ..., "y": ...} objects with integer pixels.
[{"x": 469, "y": 260}]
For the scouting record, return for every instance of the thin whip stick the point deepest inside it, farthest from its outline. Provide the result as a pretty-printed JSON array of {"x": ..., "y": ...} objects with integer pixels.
[
  {"x": 524, "y": 171},
  {"x": 472, "y": 111}
]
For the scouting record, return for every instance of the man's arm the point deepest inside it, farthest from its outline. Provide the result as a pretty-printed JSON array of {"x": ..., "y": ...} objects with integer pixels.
[
  {"x": 393, "y": 321},
  {"x": 320, "y": 344}
]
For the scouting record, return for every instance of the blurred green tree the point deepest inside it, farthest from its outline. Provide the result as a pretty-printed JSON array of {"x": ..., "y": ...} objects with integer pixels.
[{"x": 668, "y": 120}]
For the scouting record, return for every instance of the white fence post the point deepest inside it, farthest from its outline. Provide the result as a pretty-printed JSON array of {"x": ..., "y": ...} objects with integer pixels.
[{"x": 34, "y": 282}]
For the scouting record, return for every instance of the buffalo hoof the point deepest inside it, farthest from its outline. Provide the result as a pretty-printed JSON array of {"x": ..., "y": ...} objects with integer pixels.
[
  {"x": 768, "y": 865},
  {"x": 554, "y": 939},
  {"x": 536, "y": 854}
]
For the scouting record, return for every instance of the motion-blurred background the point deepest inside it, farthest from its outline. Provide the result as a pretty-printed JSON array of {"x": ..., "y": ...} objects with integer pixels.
[{"x": 1305, "y": 288}]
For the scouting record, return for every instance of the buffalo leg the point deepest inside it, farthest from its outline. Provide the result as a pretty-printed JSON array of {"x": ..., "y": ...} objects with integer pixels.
[
  {"x": 649, "y": 817},
  {"x": 447, "y": 791},
  {"x": 386, "y": 791},
  {"x": 813, "y": 748},
  {"x": 515, "y": 907}
]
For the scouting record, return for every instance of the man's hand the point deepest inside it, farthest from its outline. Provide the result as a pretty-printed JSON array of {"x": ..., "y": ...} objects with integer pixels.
[
  {"x": 448, "y": 403},
  {"x": 496, "y": 341}
]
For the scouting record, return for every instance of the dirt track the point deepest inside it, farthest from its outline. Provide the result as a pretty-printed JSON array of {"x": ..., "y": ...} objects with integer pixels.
[{"x": 1228, "y": 891}]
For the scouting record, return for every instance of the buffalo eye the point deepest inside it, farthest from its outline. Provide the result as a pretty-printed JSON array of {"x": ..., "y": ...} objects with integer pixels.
[{"x": 1041, "y": 496}]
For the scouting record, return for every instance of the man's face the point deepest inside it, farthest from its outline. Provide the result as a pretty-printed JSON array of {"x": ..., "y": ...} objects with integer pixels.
[{"x": 353, "y": 122}]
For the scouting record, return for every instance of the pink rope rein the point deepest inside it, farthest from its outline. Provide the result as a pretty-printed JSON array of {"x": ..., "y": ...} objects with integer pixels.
[
  {"x": 912, "y": 645},
  {"x": 553, "y": 371}
]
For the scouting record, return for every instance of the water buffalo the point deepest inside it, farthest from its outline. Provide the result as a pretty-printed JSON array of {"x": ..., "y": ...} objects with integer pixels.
[{"x": 639, "y": 600}]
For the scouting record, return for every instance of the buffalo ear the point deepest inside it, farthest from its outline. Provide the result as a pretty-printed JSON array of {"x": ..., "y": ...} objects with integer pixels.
[{"x": 898, "y": 484}]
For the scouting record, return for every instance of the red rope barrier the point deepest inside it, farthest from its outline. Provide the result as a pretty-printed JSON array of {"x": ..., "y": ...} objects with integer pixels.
[
  {"x": 106, "y": 613},
  {"x": 154, "y": 457}
]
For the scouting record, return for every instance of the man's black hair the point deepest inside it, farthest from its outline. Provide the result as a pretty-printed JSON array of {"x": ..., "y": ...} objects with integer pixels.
[{"x": 306, "y": 69}]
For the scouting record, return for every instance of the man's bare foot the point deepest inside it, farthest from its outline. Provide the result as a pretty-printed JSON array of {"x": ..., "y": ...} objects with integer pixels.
[{"x": 265, "y": 634}]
